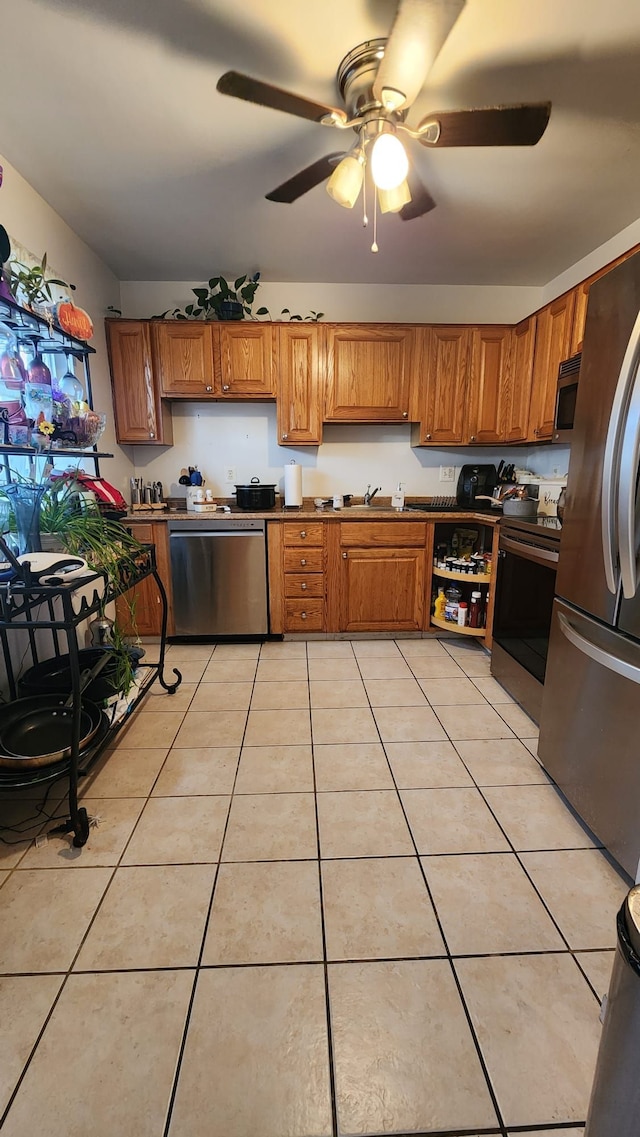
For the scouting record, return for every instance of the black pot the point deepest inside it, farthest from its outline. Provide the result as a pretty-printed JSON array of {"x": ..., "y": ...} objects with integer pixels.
[
  {"x": 230, "y": 310},
  {"x": 53, "y": 676},
  {"x": 256, "y": 496}
]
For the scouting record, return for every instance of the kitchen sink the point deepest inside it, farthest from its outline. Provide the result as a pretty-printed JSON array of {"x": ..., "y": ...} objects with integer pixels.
[{"x": 369, "y": 509}]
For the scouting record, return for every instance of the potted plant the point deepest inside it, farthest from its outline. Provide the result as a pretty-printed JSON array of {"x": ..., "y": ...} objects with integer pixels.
[
  {"x": 31, "y": 285},
  {"x": 220, "y": 300}
]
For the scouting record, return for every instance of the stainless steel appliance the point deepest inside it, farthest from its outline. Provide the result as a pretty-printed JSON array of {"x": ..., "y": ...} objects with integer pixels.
[
  {"x": 591, "y": 705},
  {"x": 219, "y": 577},
  {"x": 525, "y": 587},
  {"x": 476, "y": 481},
  {"x": 566, "y": 396}
]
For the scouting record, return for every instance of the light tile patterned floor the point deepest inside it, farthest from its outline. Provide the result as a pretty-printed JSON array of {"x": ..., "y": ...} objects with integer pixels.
[{"x": 331, "y": 892}]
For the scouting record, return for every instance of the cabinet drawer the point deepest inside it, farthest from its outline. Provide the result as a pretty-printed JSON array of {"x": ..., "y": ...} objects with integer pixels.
[
  {"x": 303, "y": 533},
  {"x": 303, "y": 584},
  {"x": 304, "y": 615},
  {"x": 391, "y": 534},
  {"x": 142, "y": 532},
  {"x": 311, "y": 560}
]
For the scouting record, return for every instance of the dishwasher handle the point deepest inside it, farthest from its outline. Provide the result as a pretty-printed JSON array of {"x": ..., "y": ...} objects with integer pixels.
[{"x": 216, "y": 533}]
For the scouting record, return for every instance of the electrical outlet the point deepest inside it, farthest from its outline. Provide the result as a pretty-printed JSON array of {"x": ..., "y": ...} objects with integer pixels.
[
  {"x": 230, "y": 475},
  {"x": 447, "y": 473}
]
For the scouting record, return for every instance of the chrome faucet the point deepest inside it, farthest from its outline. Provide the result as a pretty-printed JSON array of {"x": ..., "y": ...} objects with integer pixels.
[{"x": 369, "y": 496}]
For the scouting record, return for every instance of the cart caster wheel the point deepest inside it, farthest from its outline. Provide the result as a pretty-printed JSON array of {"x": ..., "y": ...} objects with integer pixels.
[{"x": 82, "y": 831}]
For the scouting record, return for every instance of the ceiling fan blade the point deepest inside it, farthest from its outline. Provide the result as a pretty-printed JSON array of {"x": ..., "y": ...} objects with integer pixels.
[
  {"x": 255, "y": 91},
  {"x": 305, "y": 180},
  {"x": 421, "y": 200},
  {"x": 488, "y": 126},
  {"x": 418, "y": 32}
]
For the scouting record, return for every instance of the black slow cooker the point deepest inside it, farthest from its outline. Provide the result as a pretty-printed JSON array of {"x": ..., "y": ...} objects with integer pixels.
[{"x": 256, "y": 496}]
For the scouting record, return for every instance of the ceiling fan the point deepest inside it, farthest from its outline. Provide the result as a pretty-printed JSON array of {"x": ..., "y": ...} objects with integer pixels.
[{"x": 378, "y": 81}]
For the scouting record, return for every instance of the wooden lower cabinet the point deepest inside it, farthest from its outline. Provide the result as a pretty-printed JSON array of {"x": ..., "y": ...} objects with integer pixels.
[
  {"x": 139, "y": 611},
  {"x": 299, "y": 594},
  {"x": 381, "y": 581}
]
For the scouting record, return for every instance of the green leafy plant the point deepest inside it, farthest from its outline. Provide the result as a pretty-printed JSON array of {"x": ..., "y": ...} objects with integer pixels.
[
  {"x": 220, "y": 300},
  {"x": 32, "y": 284}
]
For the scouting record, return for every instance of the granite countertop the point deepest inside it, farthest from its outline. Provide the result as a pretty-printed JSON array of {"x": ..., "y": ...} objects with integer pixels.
[{"x": 382, "y": 512}]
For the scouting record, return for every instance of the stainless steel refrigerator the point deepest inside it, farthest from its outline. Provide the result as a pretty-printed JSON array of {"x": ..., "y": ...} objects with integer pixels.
[{"x": 590, "y": 722}]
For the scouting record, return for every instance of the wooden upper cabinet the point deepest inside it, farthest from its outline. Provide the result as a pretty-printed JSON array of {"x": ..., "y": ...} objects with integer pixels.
[
  {"x": 244, "y": 355},
  {"x": 553, "y": 344},
  {"x": 368, "y": 370},
  {"x": 441, "y": 384},
  {"x": 183, "y": 358},
  {"x": 518, "y": 381},
  {"x": 139, "y": 415},
  {"x": 581, "y": 296},
  {"x": 299, "y": 392},
  {"x": 488, "y": 384}
]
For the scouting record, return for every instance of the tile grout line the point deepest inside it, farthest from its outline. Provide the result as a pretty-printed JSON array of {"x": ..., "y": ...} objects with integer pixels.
[{"x": 198, "y": 967}]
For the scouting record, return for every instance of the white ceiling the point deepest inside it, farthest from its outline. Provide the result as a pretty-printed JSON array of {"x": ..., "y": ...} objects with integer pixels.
[{"x": 109, "y": 109}]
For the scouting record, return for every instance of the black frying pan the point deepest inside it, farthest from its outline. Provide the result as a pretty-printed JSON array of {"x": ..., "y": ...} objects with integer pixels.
[{"x": 37, "y": 731}]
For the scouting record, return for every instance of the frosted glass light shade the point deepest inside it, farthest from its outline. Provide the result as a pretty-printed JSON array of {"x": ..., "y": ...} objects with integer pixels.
[
  {"x": 389, "y": 162},
  {"x": 392, "y": 201},
  {"x": 345, "y": 183}
]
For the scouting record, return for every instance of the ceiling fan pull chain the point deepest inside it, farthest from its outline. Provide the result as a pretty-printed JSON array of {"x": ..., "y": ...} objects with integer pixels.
[
  {"x": 365, "y": 219},
  {"x": 374, "y": 247}
]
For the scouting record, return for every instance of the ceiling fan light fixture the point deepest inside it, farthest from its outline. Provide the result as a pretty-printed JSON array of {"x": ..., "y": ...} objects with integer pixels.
[
  {"x": 345, "y": 183},
  {"x": 389, "y": 162},
  {"x": 393, "y": 200},
  {"x": 392, "y": 99}
]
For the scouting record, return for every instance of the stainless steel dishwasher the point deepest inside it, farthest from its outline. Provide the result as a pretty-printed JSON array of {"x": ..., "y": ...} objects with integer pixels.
[{"x": 219, "y": 576}]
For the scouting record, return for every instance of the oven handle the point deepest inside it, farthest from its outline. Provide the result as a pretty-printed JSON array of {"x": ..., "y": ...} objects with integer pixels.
[
  {"x": 529, "y": 552},
  {"x": 598, "y": 654}
]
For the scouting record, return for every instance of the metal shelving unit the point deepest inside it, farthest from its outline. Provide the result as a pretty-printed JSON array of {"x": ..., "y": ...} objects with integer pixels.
[{"x": 59, "y": 610}]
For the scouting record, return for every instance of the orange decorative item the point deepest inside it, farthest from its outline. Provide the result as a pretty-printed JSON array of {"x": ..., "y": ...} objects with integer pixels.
[{"x": 73, "y": 320}]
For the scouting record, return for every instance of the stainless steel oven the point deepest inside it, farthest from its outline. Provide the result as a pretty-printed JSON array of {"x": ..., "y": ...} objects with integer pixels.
[{"x": 525, "y": 588}]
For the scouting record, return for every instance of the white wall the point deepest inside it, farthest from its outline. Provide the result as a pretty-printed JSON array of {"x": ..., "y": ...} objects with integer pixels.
[
  {"x": 34, "y": 224},
  {"x": 364, "y": 303},
  {"x": 214, "y": 436}
]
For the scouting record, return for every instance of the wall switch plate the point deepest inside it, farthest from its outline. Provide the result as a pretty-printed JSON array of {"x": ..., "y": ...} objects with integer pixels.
[
  {"x": 230, "y": 475},
  {"x": 447, "y": 473}
]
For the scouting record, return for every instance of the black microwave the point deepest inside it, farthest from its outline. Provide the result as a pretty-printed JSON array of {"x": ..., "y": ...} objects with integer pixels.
[{"x": 566, "y": 395}]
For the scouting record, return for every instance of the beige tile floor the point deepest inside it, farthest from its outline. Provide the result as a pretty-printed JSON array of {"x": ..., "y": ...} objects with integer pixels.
[{"x": 331, "y": 892}]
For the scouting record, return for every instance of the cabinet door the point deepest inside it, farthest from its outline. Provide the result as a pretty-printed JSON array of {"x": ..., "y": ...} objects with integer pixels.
[
  {"x": 441, "y": 384},
  {"x": 581, "y": 296},
  {"x": 553, "y": 342},
  {"x": 184, "y": 358},
  {"x": 139, "y": 611},
  {"x": 244, "y": 360},
  {"x": 487, "y": 401},
  {"x": 299, "y": 398},
  {"x": 382, "y": 590},
  {"x": 139, "y": 415},
  {"x": 367, "y": 372},
  {"x": 518, "y": 381}
]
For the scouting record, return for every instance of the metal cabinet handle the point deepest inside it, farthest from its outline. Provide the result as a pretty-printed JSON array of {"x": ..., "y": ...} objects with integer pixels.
[
  {"x": 473, "y": 438},
  {"x": 303, "y": 561},
  {"x": 536, "y": 431},
  {"x": 428, "y": 438},
  {"x": 208, "y": 388},
  {"x": 405, "y": 414},
  {"x": 303, "y": 615},
  {"x": 344, "y": 556},
  {"x": 151, "y": 434},
  {"x": 303, "y": 587},
  {"x": 303, "y": 532},
  {"x": 225, "y": 386},
  {"x": 284, "y": 437}
]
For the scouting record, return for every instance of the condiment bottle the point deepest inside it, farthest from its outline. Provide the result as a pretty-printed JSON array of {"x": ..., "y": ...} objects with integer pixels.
[
  {"x": 439, "y": 604},
  {"x": 462, "y": 614},
  {"x": 475, "y": 610},
  {"x": 453, "y": 596}
]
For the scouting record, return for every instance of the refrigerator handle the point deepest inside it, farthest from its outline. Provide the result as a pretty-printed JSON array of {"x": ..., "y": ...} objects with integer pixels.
[
  {"x": 598, "y": 654},
  {"x": 612, "y": 477},
  {"x": 628, "y": 488}
]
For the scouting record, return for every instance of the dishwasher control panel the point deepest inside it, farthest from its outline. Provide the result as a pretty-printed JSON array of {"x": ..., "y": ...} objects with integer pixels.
[{"x": 218, "y": 525}]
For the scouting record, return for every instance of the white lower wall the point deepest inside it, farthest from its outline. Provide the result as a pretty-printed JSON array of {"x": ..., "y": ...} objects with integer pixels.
[
  {"x": 215, "y": 436},
  {"x": 30, "y": 221}
]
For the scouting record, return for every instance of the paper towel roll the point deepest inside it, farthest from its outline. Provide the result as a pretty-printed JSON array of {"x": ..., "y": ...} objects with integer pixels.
[{"x": 293, "y": 484}]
